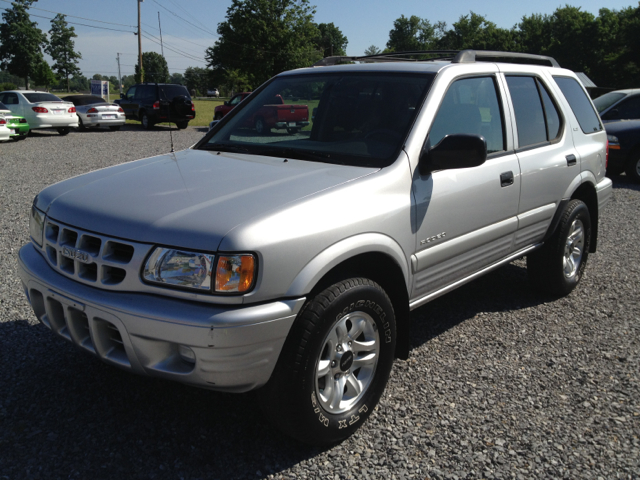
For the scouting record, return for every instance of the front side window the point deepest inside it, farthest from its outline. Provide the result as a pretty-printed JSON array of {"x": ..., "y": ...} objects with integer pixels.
[
  {"x": 580, "y": 104},
  {"x": 606, "y": 100},
  {"x": 470, "y": 106},
  {"x": 627, "y": 109},
  {"x": 537, "y": 117},
  {"x": 350, "y": 118},
  {"x": 131, "y": 93},
  {"x": 235, "y": 100},
  {"x": 10, "y": 99}
]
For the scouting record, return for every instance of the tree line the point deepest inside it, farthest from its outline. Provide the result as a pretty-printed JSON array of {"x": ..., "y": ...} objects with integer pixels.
[{"x": 261, "y": 38}]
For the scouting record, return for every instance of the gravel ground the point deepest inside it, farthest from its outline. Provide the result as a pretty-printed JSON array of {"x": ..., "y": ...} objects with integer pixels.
[{"x": 501, "y": 382}]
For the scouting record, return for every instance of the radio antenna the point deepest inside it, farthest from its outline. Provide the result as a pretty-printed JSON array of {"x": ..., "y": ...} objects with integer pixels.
[{"x": 168, "y": 106}]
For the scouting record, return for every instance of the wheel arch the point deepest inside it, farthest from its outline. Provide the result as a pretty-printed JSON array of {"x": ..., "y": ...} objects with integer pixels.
[
  {"x": 582, "y": 188},
  {"x": 372, "y": 256}
]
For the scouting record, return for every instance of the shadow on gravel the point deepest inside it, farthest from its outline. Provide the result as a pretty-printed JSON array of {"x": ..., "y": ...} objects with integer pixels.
[
  {"x": 503, "y": 290},
  {"x": 622, "y": 181},
  {"x": 64, "y": 414}
]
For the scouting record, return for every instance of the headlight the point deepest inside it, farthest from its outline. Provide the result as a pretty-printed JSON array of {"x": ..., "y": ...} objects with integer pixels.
[
  {"x": 171, "y": 267},
  {"x": 36, "y": 225},
  {"x": 235, "y": 273}
]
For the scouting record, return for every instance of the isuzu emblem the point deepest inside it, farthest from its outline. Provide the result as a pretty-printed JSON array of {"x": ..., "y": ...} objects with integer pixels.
[{"x": 74, "y": 254}]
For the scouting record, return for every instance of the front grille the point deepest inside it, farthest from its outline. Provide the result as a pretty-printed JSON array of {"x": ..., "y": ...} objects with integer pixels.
[{"x": 93, "y": 259}]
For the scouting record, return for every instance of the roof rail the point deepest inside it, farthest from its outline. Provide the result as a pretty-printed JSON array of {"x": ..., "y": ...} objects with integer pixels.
[
  {"x": 456, "y": 56},
  {"x": 472, "y": 56}
]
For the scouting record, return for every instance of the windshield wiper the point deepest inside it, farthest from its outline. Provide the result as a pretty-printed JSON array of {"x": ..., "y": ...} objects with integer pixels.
[
  {"x": 224, "y": 147},
  {"x": 312, "y": 155}
]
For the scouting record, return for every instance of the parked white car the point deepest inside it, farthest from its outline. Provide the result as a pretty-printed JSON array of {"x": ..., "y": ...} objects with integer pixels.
[
  {"x": 5, "y": 133},
  {"x": 93, "y": 112},
  {"x": 41, "y": 109}
]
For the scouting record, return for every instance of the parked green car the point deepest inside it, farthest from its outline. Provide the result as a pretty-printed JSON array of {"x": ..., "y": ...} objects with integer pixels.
[{"x": 17, "y": 125}]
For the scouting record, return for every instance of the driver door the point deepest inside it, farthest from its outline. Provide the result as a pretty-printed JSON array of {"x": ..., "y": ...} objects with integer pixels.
[{"x": 465, "y": 219}]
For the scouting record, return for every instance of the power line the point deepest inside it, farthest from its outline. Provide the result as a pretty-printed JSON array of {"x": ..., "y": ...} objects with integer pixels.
[
  {"x": 188, "y": 13},
  {"x": 73, "y": 16},
  {"x": 84, "y": 24},
  {"x": 187, "y": 21},
  {"x": 191, "y": 57}
]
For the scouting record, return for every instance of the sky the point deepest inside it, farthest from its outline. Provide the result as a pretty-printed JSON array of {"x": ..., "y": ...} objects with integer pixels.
[{"x": 189, "y": 26}]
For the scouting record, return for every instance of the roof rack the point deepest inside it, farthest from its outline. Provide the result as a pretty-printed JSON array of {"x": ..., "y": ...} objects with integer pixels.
[{"x": 455, "y": 56}]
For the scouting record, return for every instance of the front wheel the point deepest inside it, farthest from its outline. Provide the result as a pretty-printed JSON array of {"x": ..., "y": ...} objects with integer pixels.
[
  {"x": 334, "y": 365},
  {"x": 558, "y": 266},
  {"x": 633, "y": 167},
  {"x": 146, "y": 122},
  {"x": 114, "y": 128},
  {"x": 292, "y": 130},
  {"x": 64, "y": 131}
]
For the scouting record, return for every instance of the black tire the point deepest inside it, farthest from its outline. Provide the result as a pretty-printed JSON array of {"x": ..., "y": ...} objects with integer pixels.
[
  {"x": 64, "y": 131},
  {"x": 557, "y": 267},
  {"x": 81, "y": 126},
  {"x": 218, "y": 116},
  {"x": 614, "y": 171},
  {"x": 115, "y": 128},
  {"x": 632, "y": 168},
  {"x": 22, "y": 137},
  {"x": 182, "y": 125},
  {"x": 316, "y": 358},
  {"x": 293, "y": 131},
  {"x": 260, "y": 126},
  {"x": 146, "y": 122}
]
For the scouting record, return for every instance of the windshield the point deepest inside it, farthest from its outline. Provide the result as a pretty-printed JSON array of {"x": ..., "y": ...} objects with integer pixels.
[
  {"x": 606, "y": 100},
  {"x": 41, "y": 97},
  {"x": 359, "y": 119}
]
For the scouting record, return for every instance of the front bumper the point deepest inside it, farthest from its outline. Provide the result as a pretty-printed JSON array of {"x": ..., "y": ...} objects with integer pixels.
[
  {"x": 604, "y": 191},
  {"x": 235, "y": 348}
]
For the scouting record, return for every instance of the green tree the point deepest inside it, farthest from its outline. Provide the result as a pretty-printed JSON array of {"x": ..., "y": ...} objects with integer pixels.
[
  {"x": 414, "y": 33},
  {"x": 261, "y": 38},
  {"x": 21, "y": 41},
  {"x": 177, "y": 78},
  {"x": 43, "y": 75},
  {"x": 372, "y": 50},
  {"x": 154, "y": 67},
  {"x": 475, "y": 31},
  {"x": 331, "y": 40},
  {"x": 61, "y": 48},
  {"x": 197, "y": 79}
]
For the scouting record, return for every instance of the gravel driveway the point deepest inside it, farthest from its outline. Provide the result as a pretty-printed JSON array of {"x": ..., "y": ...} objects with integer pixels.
[{"x": 501, "y": 382}]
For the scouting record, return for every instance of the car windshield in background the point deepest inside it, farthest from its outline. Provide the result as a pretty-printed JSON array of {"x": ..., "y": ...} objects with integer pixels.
[
  {"x": 169, "y": 92},
  {"x": 41, "y": 97},
  {"x": 606, "y": 100},
  {"x": 359, "y": 119}
]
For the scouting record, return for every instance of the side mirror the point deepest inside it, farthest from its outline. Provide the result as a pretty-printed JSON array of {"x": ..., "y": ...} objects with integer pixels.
[
  {"x": 226, "y": 103},
  {"x": 122, "y": 95},
  {"x": 453, "y": 151}
]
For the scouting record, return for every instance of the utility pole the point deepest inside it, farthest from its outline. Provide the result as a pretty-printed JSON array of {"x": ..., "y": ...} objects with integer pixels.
[
  {"x": 140, "y": 44},
  {"x": 119, "y": 75}
]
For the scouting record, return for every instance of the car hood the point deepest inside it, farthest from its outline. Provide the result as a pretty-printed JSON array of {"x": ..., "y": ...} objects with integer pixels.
[{"x": 190, "y": 199}]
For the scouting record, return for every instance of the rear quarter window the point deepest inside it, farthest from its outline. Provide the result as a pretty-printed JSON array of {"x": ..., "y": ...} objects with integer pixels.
[{"x": 580, "y": 104}]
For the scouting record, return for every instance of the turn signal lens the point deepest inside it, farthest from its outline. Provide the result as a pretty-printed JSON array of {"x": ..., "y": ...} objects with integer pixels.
[
  {"x": 73, "y": 110},
  {"x": 92, "y": 110},
  {"x": 3, "y": 121},
  {"x": 156, "y": 105},
  {"x": 120, "y": 110},
  {"x": 39, "y": 109},
  {"x": 235, "y": 273}
]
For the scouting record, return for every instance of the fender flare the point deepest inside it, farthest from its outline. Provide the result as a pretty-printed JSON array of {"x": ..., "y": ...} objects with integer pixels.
[{"x": 341, "y": 251}]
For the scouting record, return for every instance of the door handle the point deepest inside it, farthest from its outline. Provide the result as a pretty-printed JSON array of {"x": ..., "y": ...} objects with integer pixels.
[
  {"x": 506, "y": 179},
  {"x": 571, "y": 160}
]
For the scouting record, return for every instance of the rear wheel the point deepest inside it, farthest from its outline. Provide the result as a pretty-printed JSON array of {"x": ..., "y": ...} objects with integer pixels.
[
  {"x": 146, "y": 122},
  {"x": 558, "y": 266},
  {"x": 182, "y": 125},
  {"x": 64, "y": 131},
  {"x": 114, "y": 128},
  {"x": 81, "y": 126},
  {"x": 633, "y": 166},
  {"x": 292, "y": 130},
  {"x": 334, "y": 365}
]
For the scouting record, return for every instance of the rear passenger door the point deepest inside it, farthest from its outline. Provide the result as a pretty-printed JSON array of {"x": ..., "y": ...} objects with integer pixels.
[
  {"x": 549, "y": 162},
  {"x": 466, "y": 218}
]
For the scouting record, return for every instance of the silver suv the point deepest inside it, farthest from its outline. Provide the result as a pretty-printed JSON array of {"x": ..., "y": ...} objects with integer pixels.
[{"x": 290, "y": 262}]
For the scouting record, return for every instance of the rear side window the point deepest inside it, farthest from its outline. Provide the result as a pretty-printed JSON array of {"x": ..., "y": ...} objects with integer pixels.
[
  {"x": 627, "y": 109},
  {"x": 470, "y": 106},
  {"x": 537, "y": 117},
  {"x": 3, "y": 107},
  {"x": 169, "y": 92},
  {"x": 580, "y": 104}
]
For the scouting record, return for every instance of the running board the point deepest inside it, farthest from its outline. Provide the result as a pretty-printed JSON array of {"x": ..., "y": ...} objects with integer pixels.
[{"x": 427, "y": 298}]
